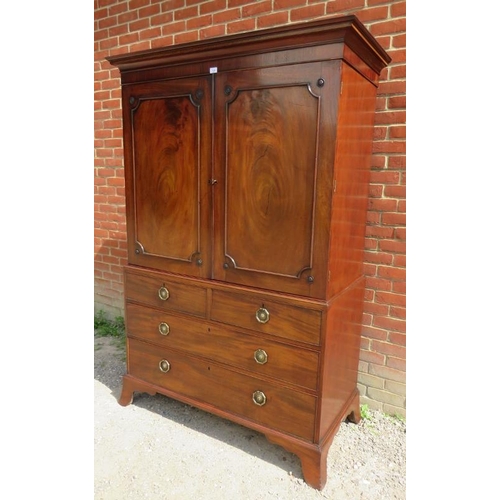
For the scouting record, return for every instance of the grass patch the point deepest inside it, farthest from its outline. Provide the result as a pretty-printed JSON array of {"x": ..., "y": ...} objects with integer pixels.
[
  {"x": 113, "y": 328},
  {"x": 105, "y": 327}
]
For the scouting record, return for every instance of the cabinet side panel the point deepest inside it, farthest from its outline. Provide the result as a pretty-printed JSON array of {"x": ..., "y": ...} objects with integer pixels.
[
  {"x": 351, "y": 176},
  {"x": 341, "y": 355}
]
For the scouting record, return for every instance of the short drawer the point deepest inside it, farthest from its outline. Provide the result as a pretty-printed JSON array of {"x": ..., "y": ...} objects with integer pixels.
[
  {"x": 211, "y": 340},
  {"x": 165, "y": 292},
  {"x": 256, "y": 400},
  {"x": 254, "y": 312}
]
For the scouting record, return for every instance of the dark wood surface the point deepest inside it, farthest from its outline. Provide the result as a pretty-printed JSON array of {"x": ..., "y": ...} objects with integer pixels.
[
  {"x": 246, "y": 165},
  {"x": 236, "y": 347}
]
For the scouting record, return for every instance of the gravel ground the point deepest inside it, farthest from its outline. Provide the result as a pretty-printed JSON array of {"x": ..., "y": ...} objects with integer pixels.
[{"x": 158, "y": 448}]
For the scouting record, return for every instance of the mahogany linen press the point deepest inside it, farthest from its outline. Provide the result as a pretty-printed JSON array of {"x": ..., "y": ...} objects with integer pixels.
[{"x": 247, "y": 164}]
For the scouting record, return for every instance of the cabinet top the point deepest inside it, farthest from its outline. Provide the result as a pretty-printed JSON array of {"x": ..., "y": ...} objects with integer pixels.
[{"x": 340, "y": 31}]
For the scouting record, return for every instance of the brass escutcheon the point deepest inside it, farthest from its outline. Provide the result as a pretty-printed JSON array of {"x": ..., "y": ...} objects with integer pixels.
[
  {"x": 260, "y": 356},
  {"x": 262, "y": 315},
  {"x": 163, "y": 293},
  {"x": 164, "y": 328},
  {"x": 164, "y": 365},
  {"x": 259, "y": 398}
]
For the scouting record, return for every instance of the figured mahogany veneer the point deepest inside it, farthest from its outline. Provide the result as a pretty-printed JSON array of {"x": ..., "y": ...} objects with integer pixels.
[{"x": 247, "y": 164}]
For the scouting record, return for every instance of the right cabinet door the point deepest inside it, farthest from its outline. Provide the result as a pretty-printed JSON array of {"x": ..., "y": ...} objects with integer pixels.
[{"x": 274, "y": 154}]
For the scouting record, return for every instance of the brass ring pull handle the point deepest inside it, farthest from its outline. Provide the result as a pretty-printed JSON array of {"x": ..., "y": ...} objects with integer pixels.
[
  {"x": 164, "y": 365},
  {"x": 163, "y": 293},
  {"x": 262, "y": 315},
  {"x": 260, "y": 356},
  {"x": 164, "y": 328},
  {"x": 259, "y": 398}
]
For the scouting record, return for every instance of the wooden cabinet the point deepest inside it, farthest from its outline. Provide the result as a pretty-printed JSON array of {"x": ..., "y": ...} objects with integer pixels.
[{"x": 247, "y": 166}]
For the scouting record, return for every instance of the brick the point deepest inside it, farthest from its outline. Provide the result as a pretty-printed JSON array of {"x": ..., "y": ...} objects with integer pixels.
[
  {"x": 213, "y": 31},
  {"x": 396, "y": 363},
  {"x": 141, "y": 24},
  {"x": 392, "y": 246},
  {"x": 397, "y": 102},
  {"x": 394, "y": 219},
  {"x": 150, "y": 33},
  {"x": 386, "y": 373},
  {"x": 388, "y": 27},
  {"x": 399, "y": 41},
  {"x": 389, "y": 147},
  {"x": 398, "y": 9},
  {"x": 171, "y": 28},
  {"x": 376, "y": 309},
  {"x": 371, "y": 357},
  {"x": 186, "y": 37},
  {"x": 118, "y": 8},
  {"x": 371, "y": 381},
  {"x": 288, "y": 4},
  {"x": 379, "y": 258},
  {"x": 382, "y": 205},
  {"x": 390, "y": 272},
  {"x": 128, "y": 16},
  {"x": 213, "y": 6},
  {"x": 374, "y": 333},
  {"x": 186, "y": 13},
  {"x": 392, "y": 410},
  {"x": 338, "y": 6},
  {"x": 149, "y": 11},
  {"x": 390, "y": 117},
  {"x": 391, "y": 299},
  {"x": 388, "y": 323},
  {"x": 257, "y": 8},
  {"x": 379, "y": 284},
  {"x": 389, "y": 88},
  {"x": 397, "y": 132},
  {"x": 389, "y": 349},
  {"x": 311, "y": 11},
  {"x": 199, "y": 22},
  {"x": 395, "y": 387},
  {"x": 400, "y": 260},
  {"x": 398, "y": 312},
  {"x": 172, "y": 5},
  {"x": 398, "y": 56},
  {"x": 128, "y": 39},
  {"x": 397, "y": 161},
  {"x": 238, "y": 26},
  {"x": 398, "y": 72},
  {"x": 272, "y": 20},
  {"x": 366, "y": 16},
  {"x": 238, "y": 3},
  {"x": 400, "y": 233},
  {"x": 136, "y": 4},
  {"x": 384, "y": 177},
  {"x": 227, "y": 15},
  {"x": 385, "y": 396},
  {"x": 161, "y": 19},
  {"x": 107, "y": 22}
]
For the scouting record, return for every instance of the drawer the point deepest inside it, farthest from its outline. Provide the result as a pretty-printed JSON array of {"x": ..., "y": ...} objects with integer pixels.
[
  {"x": 211, "y": 384},
  {"x": 211, "y": 340},
  {"x": 256, "y": 312},
  {"x": 165, "y": 292}
]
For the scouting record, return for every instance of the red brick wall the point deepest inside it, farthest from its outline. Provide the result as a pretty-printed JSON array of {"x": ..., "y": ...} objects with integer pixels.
[{"x": 129, "y": 25}]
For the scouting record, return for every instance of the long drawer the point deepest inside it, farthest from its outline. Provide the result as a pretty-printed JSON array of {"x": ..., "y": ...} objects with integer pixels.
[
  {"x": 253, "y": 311},
  {"x": 231, "y": 346},
  {"x": 257, "y": 400},
  {"x": 165, "y": 292}
]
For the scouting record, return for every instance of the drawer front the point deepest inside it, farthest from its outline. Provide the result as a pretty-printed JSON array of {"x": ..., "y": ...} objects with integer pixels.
[
  {"x": 166, "y": 293},
  {"x": 275, "y": 318},
  {"x": 284, "y": 409},
  {"x": 241, "y": 350}
]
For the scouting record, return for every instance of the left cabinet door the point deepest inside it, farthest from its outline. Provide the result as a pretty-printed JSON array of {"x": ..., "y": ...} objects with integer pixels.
[{"x": 167, "y": 151}]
